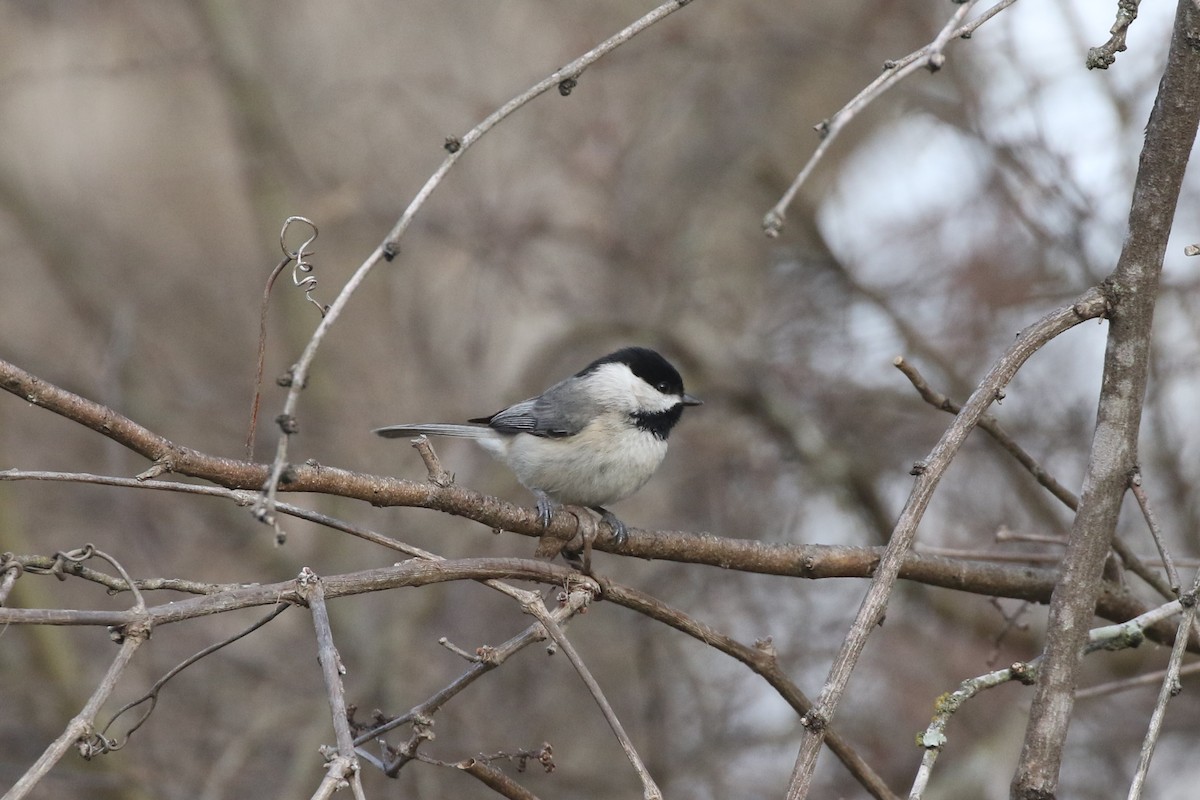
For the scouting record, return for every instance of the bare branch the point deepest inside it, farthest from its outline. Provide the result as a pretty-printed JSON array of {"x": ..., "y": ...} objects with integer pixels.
[
  {"x": 1133, "y": 289},
  {"x": 489, "y": 658},
  {"x": 80, "y": 729},
  {"x": 762, "y": 660},
  {"x": 413, "y": 572},
  {"x": 1102, "y": 57},
  {"x": 928, "y": 473},
  {"x": 989, "y": 424},
  {"x": 1139, "y": 493},
  {"x": 930, "y": 57},
  {"x": 933, "y": 739},
  {"x": 1110, "y": 637},
  {"x": 345, "y": 764},
  {"x": 152, "y": 695},
  {"x": 495, "y": 780},
  {"x": 1170, "y": 687},
  {"x": 535, "y": 607},
  {"x": 993, "y": 428},
  {"x": 810, "y": 561}
]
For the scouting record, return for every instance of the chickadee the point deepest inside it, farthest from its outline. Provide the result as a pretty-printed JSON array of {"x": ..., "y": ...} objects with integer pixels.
[{"x": 590, "y": 440}]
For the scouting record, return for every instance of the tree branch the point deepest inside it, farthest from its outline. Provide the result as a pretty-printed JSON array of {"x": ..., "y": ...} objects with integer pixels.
[
  {"x": 1091, "y": 304},
  {"x": 1132, "y": 290},
  {"x": 762, "y": 660},
  {"x": 81, "y": 726},
  {"x": 931, "y": 57},
  {"x": 414, "y": 572},
  {"x": 343, "y": 767},
  {"x": 992, "y": 427},
  {"x": 810, "y": 561}
]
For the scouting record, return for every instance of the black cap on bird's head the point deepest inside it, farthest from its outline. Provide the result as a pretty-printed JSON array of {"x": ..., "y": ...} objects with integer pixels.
[{"x": 648, "y": 365}]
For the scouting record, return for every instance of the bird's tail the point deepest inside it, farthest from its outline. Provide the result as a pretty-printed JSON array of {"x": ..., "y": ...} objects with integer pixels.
[{"x": 437, "y": 429}]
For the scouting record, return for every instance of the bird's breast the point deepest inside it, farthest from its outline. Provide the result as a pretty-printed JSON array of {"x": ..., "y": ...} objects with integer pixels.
[{"x": 603, "y": 463}]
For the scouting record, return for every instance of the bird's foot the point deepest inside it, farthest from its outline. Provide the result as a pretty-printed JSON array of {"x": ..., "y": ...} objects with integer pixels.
[
  {"x": 545, "y": 507},
  {"x": 620, "y": 529}
]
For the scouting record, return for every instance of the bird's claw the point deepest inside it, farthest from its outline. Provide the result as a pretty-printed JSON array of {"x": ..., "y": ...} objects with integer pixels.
[
  {"x": 619, "y": 528},
  {"x": 545, "y": 509}
]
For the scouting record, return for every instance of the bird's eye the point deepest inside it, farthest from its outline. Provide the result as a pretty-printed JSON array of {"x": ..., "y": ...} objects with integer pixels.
[{"x": 662, "y": 387}]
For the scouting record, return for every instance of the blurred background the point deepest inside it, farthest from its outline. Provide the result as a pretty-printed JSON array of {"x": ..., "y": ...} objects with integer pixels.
[{"x": 149, "y": 153}]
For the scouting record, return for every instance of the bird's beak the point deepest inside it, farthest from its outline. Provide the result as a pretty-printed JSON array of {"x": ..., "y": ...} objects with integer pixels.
[{"x": 688, "y": 400}]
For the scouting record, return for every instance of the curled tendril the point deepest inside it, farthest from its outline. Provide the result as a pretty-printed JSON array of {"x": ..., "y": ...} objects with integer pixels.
[
  {"x": 9, "y": 563},
  {"x": 97, "y": 745},
  {"x": 100, "y": 743},
  {"x": 76, "y": 556},
  {"x": 82, "y": 554},
  {"x": 300, "y": 256}
]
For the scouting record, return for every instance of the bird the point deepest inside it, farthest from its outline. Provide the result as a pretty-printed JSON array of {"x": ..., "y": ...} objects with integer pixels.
[{"x": 589, "y": 440}]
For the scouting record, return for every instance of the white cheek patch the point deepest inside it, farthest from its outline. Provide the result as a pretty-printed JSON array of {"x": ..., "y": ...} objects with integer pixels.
[{"x": 615, "y": 386}]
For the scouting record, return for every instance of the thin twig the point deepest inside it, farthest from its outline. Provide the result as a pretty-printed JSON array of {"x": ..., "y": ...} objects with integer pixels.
[
  {"x": 240, "y": 496},
  {"x": 1030, "y": 558},
  {"x": 930, "y": 56},
  {"x": 564, "y": 78},
  {"x": 345, "y": 763},
  {"x": 438, "y": 476},
  {"x": 1169, "y": 689},
  {"x": 489, "y": 659},
  {"x": 1007, "y": 557},
  {"x": 260, "y": 361},
  {"x": 1137, "y": 681},
  {"x": 989, "y": 424},
  {"x": 1102, "y": 57},
  {"x": 308, "y": 283},
  {"x": 10, "y": 570},
  {"x": 1006, "y": 534},
  {"x": 933, "y": 739},
  {"x": 421, "y": 716},
  {"x": 535, "y": 607},
  {"x": 1012, "y": 621},
  {"x": 1139, "y": 492}
]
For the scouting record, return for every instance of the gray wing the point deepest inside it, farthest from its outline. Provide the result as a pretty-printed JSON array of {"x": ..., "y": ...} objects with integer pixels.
[{"x": 559, "y": 411}]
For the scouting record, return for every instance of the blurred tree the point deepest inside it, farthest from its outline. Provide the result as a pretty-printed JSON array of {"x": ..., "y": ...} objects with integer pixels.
[{"x": 149, "y": 155}]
